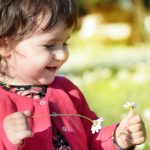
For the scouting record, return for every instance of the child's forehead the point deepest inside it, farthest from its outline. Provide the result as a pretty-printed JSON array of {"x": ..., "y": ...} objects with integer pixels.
[
  {"x": 59, "y": 32},
  {"x": 43, "y": 20}
]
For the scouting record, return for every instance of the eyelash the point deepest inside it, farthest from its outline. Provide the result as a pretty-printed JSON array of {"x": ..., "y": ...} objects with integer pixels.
[{"x": 53, "y": 46}]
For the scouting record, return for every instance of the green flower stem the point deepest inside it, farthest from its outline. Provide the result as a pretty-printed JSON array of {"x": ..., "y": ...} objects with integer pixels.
[{"x": 59, "y": 115}]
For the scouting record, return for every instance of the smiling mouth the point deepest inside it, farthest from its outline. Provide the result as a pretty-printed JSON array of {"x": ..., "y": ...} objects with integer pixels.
[{"x": 51, "y": 68}]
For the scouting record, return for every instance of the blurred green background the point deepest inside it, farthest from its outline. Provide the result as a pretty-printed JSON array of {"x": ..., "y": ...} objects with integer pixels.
[{"x": 110, "y": 58}]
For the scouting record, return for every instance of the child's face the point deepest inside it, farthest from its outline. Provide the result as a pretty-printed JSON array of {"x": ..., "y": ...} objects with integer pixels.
[{"x": 36, "y": 60}]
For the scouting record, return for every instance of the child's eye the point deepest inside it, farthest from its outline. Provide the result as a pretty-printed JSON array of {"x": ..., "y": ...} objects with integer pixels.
[
  {"x": 49, "y": 46},
  {"x": 53, "y": 47}
]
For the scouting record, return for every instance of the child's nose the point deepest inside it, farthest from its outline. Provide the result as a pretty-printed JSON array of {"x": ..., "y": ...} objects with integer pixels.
[{"x": 60, "y": 54}]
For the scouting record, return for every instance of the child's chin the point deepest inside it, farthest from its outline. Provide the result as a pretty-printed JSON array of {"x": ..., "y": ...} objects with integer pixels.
[{"x": 46, "y": 81}]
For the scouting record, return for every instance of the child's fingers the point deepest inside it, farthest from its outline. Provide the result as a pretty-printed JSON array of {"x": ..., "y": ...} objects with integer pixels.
[
  {"x": 16, "y": 126},
  {"x": 135, "y": 119},
  {"x": 21, "y": 127},
  {"x": 125, "y": 122},
  {"x": 22, "y": 135},
  {"x": 27, "y": 113},
  {"x": 137, "y": 135},
  {"x": 138, "y": 141},
  {"x": 16, "y": 115},
  {"x": 18, "y": 120},
  {"x": 130, "y": 115},
  {"x": 20, "y": 114},
  {"x": 123, "y": 140},
  {"x": 135, "y": 128}
]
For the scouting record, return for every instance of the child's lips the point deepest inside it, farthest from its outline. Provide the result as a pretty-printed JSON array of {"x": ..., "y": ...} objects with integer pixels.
[{"x": 51, "y": 68}]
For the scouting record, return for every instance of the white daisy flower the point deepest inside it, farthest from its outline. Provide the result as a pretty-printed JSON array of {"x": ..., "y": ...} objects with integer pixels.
[
  {"x": 130, "y": 105},
  {"x": 97, "y": 125}
]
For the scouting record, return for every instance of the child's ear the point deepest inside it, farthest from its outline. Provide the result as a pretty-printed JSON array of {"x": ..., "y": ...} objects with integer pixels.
[{"x": 4, "y": 50}]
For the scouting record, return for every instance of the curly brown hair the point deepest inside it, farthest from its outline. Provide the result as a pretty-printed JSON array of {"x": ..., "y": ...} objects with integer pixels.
[{"x": 20, "y": 17}]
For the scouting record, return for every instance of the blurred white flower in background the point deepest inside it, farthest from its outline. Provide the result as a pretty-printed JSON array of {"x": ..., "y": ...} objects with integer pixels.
[{"x": 146, "y": 114}]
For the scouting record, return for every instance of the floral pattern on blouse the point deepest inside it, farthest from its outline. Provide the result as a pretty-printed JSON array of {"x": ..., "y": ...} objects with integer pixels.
[{"x": 59, "y": 142}]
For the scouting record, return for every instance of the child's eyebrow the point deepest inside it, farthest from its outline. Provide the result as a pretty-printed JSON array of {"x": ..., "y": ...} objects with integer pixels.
[{"x": 58, "y": 39}]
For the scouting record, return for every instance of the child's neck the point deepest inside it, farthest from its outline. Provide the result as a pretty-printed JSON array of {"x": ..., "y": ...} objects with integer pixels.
[{"x": 12, "y": 81}]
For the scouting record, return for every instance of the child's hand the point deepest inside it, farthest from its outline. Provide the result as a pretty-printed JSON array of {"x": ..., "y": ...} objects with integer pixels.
[
  {"x": 131, "y": 131},
  {"x": 16, "y": 127}
]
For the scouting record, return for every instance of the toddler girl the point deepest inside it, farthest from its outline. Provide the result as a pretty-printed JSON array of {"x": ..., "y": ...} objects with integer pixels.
[{"x": 33, "y": 47}]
